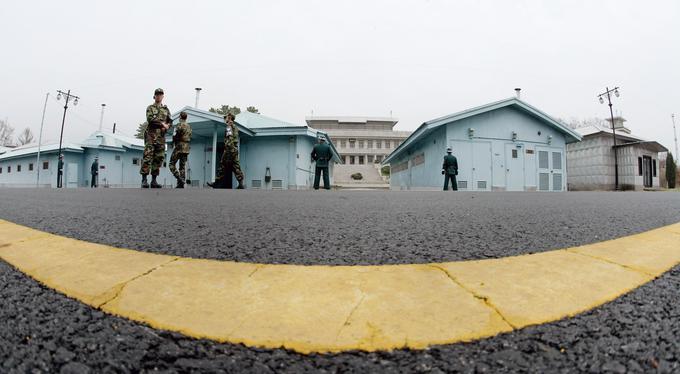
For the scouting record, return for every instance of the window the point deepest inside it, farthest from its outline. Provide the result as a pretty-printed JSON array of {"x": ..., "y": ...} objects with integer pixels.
[
  {"x": 369, "y": 144},
  {"x": 30, "y": 167},
  {"x": 352, "y": 143},
  {"x": 18, "y": 168},
  {"x": 135, "y": 161},
  {"x": 361, "y": 144},
  {"x": 46, "y": 165},
  {"x": 9, "y": 169},
  {"x": 0, "y": 170},
  {"x": 361, "y": 160},
  {"x": 378, "y": 144},
  {"x": 117, "y": 157},
  {"x": 369, "y": 159},
  {"x": 378, "y": 158},
  {"x": 388, "y": 144},
  {"x": 514, "y": 153},
  {"x": 343, "y": 143},
  {"x": 351, "y": 160},
  {"x": 639, "y": 165},
  {"x": 654, "y": 168},
  {"x": 344, "y": 159}
]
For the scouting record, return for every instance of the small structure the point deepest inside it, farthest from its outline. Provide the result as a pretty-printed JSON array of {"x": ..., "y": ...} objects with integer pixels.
[
  {"x": 591, "y": 161},
  {"x": 507, "y": 145},
  {"x": 119, "y": 158}
]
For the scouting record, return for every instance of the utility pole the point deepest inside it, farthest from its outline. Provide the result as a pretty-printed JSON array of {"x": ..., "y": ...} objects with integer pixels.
[
  {"x": 101, "y": 119},
  {"x": 608, "y": 93},
  {"x": 42, "y": 122},
  {"x": 60, "y": 165},
  {"x": 198, "y": 93},
  {"x": 675, "y": 134}
]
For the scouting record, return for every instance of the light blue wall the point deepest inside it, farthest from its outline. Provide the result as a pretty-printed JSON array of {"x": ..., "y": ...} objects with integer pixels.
[
  {"x": 484, "y": 158},
  {"x": 26, "y": 178}
]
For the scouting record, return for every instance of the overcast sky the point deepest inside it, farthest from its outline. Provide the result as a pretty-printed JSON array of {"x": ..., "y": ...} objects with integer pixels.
[{"x": 416, "y": 59}]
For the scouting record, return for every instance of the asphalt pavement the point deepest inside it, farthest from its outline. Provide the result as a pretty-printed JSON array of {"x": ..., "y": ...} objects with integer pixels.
[{"x": 43, "y": 331}]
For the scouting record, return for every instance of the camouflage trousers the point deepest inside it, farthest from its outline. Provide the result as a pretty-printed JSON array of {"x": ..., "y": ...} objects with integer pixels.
[
  {"x": 182, "y": 158},
  {"x": 229, "y": 159},
  {"x": 154, "y": 152}
]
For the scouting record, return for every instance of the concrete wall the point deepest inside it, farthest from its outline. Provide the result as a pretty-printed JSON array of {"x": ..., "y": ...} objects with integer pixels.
[
  {"x": 591, "y": 165},
  {"x": 486, "y": 160}
]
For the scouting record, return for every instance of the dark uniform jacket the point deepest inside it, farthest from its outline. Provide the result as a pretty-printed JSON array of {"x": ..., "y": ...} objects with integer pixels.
[
  {"x": 94, "y": 169},
  {"x": 322, "y": 155},
  {"x": 450, "y": 165}
]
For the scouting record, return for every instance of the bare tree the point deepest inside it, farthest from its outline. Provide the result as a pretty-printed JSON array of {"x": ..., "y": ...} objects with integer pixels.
[
  {"x": 6, "y": 132},
  {"x": 25, "y": 137}
]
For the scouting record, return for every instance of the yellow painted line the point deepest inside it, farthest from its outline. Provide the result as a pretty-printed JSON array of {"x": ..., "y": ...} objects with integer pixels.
[{"x": 338, "y": 308}]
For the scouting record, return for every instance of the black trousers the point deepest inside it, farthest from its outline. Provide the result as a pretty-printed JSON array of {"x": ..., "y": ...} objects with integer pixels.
[
  {"x": 59, "y": 177},
  {"x": 454, "y": 184},
  {"x": 94, "y": 181},
  {"x": 326, "y": 178}
]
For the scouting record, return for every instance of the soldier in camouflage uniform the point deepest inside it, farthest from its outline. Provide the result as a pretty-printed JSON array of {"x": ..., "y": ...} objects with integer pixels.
[
  {"x": 158, "y": 121},
  {"x": 180, "y": 153},
  {"x": 230, "y": 156}
]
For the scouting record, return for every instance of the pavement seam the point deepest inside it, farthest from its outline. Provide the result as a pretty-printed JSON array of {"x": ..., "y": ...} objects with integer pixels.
[
  {"x": 627, "y": 267},
  {"x": 485, "y": 299},
  {"x": 351, "y": 313},
  {"x": 121, "y": 286},
  {"x": 257, "y": 268}
]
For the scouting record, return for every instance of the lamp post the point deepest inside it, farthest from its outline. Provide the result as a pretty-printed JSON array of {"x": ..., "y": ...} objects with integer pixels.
[
  {"x": 601, "y": 96},
  {"x": 42, "y": 122},
  {"x": 68, "y": 96}
]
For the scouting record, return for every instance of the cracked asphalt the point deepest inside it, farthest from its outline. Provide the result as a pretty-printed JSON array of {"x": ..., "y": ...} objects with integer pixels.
[{"x": 44, "y": 331}]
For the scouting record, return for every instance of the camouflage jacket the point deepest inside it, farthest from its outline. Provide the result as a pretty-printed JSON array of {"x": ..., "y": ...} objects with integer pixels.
[
  {"x": 231, "y": 137},
  {"x": 182, "y": 137},
  {"x": 157, "y": 115}
]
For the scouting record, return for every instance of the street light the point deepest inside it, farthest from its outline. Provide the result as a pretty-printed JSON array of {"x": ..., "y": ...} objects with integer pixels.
[
  {"x": 60, "y": 172},
  {"x": 601, "y": 96}
]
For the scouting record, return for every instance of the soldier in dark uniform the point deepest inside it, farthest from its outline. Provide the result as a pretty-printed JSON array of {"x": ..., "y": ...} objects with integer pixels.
[
  {"x": 322, "y": 155},
  {"x": 229, "y": 158},
  {"x": 180, "y": 153},
  {"x": 450, "y": 170},
  {"x": 60, "y": 171},
  {"x": 94, "y": 171},
  {"x": 158, "y": 121}
]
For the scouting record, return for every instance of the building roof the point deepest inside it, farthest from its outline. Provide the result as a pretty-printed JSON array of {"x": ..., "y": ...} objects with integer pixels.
[
  {"x": 429, "y": 126},
  {"x": 31, "y": 149},
  {"x": 351, "y": 119},
  {"x": 108, "y": 140},
  {"x": 627, "y": 138}
]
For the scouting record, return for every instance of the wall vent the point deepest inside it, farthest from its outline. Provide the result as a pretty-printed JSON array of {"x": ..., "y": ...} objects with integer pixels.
[
  {"x": 256, "y": 183},
  {"x": 277, "y": 184},
  {"x": 462, "y": 185},
  {"x": 481, "y": 185}
]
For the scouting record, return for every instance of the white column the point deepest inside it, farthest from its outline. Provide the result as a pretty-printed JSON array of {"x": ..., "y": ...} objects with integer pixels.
[{"x": 214, "y": 155}]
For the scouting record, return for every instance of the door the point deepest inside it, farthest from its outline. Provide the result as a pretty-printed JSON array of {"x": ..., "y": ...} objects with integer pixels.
[
  {"x": 514, "y": 167},
  {"x": 550, "y": 169},
  {"x": 481, "y": 166},
  {"x": 71, "y": 175},
  {"x": 647, "y": 171}
]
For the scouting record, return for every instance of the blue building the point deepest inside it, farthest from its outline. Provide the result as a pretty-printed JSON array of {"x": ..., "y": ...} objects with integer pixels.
[
  {"x": 507, "y": 145},
  {"x": 273, "y": 154}
]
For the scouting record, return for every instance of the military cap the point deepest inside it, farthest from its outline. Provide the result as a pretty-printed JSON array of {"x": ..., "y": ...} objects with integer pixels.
[
  {"x": 449, "y": 150},
  {"x": 159, "y": 91}
]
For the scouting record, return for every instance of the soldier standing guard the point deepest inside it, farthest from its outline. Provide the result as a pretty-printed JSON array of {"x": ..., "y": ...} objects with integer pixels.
[
  {"x": 321, "y": 153},
  {"x": 158, "y": 121},
  {"x": 94, "y": 171},
  {"x": 229, "y": 156},
  {"x": 450, "y": 170},
  {"x": 181, "y": 141},
  {"x": 60, "y": 171}
]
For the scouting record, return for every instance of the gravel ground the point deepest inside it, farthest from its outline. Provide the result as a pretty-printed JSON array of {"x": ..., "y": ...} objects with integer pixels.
[
  {"x": 338, "y": 228},
  {"x": 43, "y": 331}
]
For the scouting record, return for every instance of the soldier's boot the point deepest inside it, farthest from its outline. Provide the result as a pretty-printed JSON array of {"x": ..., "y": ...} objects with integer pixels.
[
  {"x": 180, "y": 183},
  {"x": 155, "y": 184},
  {"x": 145, "y": 183},
  {"x": 240, "y": 185},
  {"x": 216, "y": 184}
]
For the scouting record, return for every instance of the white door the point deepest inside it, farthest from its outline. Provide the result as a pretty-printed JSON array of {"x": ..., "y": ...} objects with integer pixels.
[
  {"x": 550, "y": 169},
  {"x": 514, "y": 167},
  {"x": 481, "y": 166},
  {"x": 463, "y": 152},
  {"x": 71, "y": 175}
]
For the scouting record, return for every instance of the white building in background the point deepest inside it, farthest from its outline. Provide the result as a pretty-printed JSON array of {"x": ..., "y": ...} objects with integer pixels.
[
  {"x": 590, "y": 162},
  {"x": 361, "y": 140}
]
